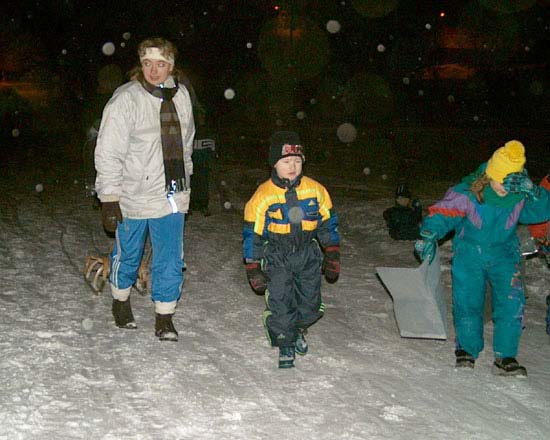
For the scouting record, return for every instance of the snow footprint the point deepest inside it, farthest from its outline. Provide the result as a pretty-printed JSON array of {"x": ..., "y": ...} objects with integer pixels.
[{"x": 394, "y": 413}]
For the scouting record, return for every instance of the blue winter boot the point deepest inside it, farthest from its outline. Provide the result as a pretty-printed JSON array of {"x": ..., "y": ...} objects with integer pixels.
[{"x": 286, "y": 357}]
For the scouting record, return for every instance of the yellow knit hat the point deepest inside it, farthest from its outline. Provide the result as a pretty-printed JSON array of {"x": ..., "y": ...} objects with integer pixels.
[{"x": 507, "y": 159}]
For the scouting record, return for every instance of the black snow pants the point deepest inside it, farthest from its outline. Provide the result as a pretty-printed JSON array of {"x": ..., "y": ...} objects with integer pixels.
[{"x": 293, "y": 296}]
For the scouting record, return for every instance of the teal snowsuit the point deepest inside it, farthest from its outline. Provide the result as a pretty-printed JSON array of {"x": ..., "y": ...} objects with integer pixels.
[{"x": 486, "y": 250}]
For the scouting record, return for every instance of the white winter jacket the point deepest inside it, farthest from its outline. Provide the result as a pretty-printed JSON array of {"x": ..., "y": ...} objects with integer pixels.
[{"x": 128, "y": 154}]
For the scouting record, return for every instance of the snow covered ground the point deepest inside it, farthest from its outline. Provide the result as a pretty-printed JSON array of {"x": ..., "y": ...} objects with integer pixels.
[{"x": 66, "y": 372}]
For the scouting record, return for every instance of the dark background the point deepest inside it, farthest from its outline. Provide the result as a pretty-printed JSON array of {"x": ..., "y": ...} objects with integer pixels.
[{"x": 432, "y": 85}]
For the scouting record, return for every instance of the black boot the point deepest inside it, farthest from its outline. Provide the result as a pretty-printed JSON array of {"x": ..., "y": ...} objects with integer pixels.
[
  {"x": 122, "y": 311},
  {"x": 509, "y": 367},
  {"x": 464, "y": 359},
  {"x": 286, "y": 357},
  {"x": 164, "y": 328}
]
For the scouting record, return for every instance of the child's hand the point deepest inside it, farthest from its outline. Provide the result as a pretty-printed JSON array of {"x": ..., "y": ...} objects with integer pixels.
[
  {"x": 331, "y": 264},
  {"x": 520, "y": 183},
  {"x": 256, "y": 277},
  {"x": 425, "y": 247}
]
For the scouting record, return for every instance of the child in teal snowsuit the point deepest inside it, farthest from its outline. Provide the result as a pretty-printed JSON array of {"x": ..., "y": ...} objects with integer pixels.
[{"x": 484, "y": 210}]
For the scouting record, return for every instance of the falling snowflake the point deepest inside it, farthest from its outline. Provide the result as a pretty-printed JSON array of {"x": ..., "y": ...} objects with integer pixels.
[
  {"x": 108, "y": 48},
  {"x": 229, "y": 94},
  {"x": 333, "y": 26}
]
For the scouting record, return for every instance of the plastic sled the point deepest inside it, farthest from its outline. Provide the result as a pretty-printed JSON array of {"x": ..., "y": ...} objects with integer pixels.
[{"x": 418, "y": 301}]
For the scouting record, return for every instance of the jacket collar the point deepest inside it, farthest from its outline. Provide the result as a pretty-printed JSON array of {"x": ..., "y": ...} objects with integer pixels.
[{"x": 285, "y": 183}]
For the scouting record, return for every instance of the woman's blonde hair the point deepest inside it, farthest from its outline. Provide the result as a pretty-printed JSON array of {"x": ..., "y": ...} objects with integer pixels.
[
  {"x": 479, "y": 185},
  {"x": 167, "y": 49}
]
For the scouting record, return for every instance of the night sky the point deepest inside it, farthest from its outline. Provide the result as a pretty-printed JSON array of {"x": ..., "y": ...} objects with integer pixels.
[{"x": 301, "y": 64}]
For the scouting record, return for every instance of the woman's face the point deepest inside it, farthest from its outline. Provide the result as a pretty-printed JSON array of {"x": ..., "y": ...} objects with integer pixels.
[
  {"x": 289, "y": 167},
  {"x": 498, "y": 188},
  {"x": 156, "y": 71}
]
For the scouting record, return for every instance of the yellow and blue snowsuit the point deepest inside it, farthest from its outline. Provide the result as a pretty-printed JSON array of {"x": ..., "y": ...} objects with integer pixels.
[
  {"x": 285, "y": 223},
  {"x": 486, "y": 249}
]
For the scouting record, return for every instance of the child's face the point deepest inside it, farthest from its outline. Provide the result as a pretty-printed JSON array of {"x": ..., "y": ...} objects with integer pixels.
[
  {"x": 498, "y": 188},
  {"x": 403, "y": 201},
  {"x": 289, "y": 167}
]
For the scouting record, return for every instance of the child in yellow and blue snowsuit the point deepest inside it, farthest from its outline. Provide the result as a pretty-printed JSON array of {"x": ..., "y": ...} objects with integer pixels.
[
  {"x": 484, "y": 210},
  {"x": 290, "y": 238}
]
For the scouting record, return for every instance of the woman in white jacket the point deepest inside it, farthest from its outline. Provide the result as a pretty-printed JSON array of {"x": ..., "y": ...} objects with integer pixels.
[{"x": 143, "y": 163}]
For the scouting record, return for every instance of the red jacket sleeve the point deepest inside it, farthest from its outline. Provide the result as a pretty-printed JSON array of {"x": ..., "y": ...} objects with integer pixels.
[{"x": 540, "y": 230}]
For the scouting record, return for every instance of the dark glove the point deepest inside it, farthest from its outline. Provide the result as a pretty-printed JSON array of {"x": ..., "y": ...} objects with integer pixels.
[
  {"x": 256, "y": 277},
  {"x": 425, "y": 247},
  {"x": 110, "y": 215},
  {"x": 331, "y": 263},
  {"x": 520, "y": 183}
]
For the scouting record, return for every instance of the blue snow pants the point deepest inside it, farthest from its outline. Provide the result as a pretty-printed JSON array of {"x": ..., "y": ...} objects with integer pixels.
[
  {"x": 293, "y": 296},
  {"x": 166, "y": 234},
  {"x": 473, "y": 267}
]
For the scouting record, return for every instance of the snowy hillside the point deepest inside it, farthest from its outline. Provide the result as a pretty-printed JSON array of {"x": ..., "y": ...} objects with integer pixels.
[{"x": 68, "y": 373}]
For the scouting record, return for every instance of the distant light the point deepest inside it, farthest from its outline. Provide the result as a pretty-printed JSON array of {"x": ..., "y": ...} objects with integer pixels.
[
  {"x": 428, "y": 26},
  {"x": 442, "y": 14},
  {"x": 276, "y": 7},
  {"x": 381, "y": 48},
  {"x": 249, "y": 45}
]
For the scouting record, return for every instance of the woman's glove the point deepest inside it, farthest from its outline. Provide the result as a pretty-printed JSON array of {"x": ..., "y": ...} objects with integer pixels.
[
  {"x": 256, "y": 277},
  {"x": 331, "y": 263},
  {"x": 426, "y": 246},
  {"x": 520, "y": 183},
  {"x": 110, "y": 216}
]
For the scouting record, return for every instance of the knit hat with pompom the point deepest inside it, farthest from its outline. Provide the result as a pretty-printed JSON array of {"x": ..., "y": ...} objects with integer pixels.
[{"x": 507, "y": 159}]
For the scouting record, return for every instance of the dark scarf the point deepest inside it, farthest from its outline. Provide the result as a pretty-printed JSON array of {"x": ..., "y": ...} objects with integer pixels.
[{"x": 170, "y": 134}]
